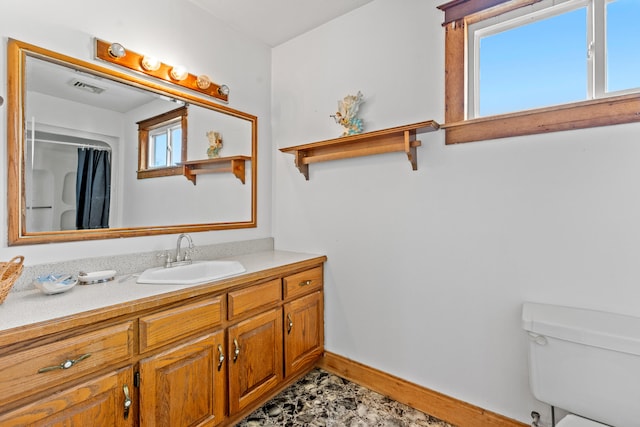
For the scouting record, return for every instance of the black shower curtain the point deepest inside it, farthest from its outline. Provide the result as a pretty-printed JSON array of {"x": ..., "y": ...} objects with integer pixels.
[{"x": 93, "y": 188}]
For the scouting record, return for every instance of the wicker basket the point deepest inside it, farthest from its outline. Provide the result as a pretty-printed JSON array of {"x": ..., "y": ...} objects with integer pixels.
[{"x": 9, "y": 273}]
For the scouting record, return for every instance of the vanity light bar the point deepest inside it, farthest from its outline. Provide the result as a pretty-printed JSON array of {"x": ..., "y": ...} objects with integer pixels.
[{"x": 116, "y": 54}]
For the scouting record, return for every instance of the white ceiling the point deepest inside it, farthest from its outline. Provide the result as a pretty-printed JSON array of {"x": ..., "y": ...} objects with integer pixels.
[
  {"x": 270, "y": 21},
  {"x": 68, "y": 83},
  {"x": 277, "y": 21}
]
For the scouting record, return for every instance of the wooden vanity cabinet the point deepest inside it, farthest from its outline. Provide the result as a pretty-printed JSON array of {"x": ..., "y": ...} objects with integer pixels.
[
  {"x": 186, "y": 385},
  {"x": 209, "y": 359},
  {"x": 255, "y": 358},
  {"x": 52, "y": 363},
  {"x": 304, "y": 332},
  {"x": 303, "y": 320},
  {"x": 102, "y": 401}
]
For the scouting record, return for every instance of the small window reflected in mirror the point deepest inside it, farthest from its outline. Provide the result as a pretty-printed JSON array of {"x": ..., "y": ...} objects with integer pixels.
[{"x": 162, "y": 144}]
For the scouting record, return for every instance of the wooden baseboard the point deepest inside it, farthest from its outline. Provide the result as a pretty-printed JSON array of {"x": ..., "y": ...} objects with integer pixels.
[{"x": 446, "y": 408}]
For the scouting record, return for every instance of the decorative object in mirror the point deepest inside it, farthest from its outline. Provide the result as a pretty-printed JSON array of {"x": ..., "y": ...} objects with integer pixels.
[
  {"x": 215, "y": 144},
  {"x": 115, "y": 53},
  {"x": 61, "y": 109},
  {"x": 346, "y": 114}
]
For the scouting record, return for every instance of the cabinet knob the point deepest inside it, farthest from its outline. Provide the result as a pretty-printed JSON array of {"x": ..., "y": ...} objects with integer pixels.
[
  {"x": 127, "y": 401},
  {"x": 289, "y": 323},
  {"x": 236, "y": 351},
  {"x": 220, "y": 356},
  {"x": 305, "y": 283},
  {"x": 64, "y": 365}
]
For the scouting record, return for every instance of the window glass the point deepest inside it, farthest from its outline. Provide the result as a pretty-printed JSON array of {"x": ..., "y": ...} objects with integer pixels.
[
  {"x": 528, "y": 67},
  {"x": 162, "y": 144},
  {"x": 533, "y": 65},
  {"x": 176, "y": 145},
  {"x": 623, "y": 41},
  {"x": 159, "y": 152}
]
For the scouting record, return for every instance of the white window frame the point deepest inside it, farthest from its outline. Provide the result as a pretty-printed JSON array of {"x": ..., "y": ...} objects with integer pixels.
[
  {"x": 166, "y": 129},
  {"x": 595, "y": 45},
  {"x": 154, "y": 126}
]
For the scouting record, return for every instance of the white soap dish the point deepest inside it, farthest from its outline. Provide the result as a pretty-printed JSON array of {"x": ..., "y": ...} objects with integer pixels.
[
  {"x": 55, "y": 283},
  {"x": 96, "y": 277}
]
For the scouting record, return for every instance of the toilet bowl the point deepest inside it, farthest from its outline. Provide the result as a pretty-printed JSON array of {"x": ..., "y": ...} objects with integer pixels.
[{"x": 575, "y": 421}]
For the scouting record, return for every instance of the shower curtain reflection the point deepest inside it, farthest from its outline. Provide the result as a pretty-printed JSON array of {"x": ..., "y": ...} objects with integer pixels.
[{"x": 93, "y": 188}]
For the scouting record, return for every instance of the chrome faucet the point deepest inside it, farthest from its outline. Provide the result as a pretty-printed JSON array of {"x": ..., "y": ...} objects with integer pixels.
[
  {"x": 185, "y": 257},
  {"x": 180, "y": 259}
]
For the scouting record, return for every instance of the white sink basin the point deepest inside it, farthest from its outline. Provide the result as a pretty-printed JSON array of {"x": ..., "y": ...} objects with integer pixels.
[{"x": 191, "y": 274}]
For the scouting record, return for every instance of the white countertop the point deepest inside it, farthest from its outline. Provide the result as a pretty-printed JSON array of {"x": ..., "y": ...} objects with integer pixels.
[{"x": 33, "y": 306}]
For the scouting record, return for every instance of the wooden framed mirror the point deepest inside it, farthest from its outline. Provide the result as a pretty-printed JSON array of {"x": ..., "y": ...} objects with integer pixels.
[{"x": 58, "y": 107}]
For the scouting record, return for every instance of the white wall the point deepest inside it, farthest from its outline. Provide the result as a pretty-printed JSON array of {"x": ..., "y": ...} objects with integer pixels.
[
  {"x": 427, "y": 270},
  {"x": 219, "y": 197},
  {"x": 176, "y": 31}
]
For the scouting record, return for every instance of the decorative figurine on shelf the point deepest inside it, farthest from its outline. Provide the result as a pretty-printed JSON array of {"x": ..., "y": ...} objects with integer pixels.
[
  {"x": 215, "y": 144},
  {"x": 346, "y": 114}
]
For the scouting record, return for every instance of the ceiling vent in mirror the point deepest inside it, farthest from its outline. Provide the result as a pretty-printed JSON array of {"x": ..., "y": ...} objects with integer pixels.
[{"x": 79, "y": 84}]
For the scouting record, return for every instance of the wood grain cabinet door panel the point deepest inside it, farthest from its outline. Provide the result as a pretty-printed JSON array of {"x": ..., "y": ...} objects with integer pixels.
[
  {"x": 184, "y": 386},
  {"x": 304, "y": 332},
  {"x": 255, "y": 358},
  {"x": 101, "y": 401}
]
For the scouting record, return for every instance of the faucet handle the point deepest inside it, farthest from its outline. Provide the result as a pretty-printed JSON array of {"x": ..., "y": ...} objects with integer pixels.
[
  {"x": 187, "y": 255},
  {"x": 167, "y": 258}
]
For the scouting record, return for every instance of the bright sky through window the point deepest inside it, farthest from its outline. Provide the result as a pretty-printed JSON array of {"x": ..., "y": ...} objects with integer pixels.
[
  {"x": 623, "y": 45},
  {"x": 543, "y": 62}
]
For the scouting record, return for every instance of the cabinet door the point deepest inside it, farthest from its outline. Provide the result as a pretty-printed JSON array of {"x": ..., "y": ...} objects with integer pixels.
[
  {"x": 304, "y": 336},
  {"x": 102, "y": 401},
  {"x": 255, "y": 350},
  {"x": 185, "y": 386}
]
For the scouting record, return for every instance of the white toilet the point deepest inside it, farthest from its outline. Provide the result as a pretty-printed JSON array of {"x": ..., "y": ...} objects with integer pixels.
[{"x": 585, "y": 362}]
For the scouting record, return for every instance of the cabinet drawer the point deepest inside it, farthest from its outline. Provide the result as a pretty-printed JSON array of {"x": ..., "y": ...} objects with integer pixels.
[
  {"x": 303, "y": 282},
  {"x": 245, "y": 300},
  {"x": 99, "y": 401},
  {"x": 170, "y": 325},
  {"x": 46, "y": 366}
]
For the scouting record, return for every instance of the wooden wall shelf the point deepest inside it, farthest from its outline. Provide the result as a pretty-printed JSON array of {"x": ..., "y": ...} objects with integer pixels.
[
  {"x": 233, "y": 164},
  {"x": 401, "y": 138}
]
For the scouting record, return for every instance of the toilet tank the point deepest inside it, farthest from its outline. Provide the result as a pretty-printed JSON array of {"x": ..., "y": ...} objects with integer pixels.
[{"x": 585, "y": 361}]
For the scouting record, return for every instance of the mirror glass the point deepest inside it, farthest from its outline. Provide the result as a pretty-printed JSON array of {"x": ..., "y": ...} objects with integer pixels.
[{"x": 73, "y": 152}]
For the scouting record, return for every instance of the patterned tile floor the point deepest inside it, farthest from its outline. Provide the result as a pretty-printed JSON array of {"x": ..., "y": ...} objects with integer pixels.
[{"x": 321, "y": 399}]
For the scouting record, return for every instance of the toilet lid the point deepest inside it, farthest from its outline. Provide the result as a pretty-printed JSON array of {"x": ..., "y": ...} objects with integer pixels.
[{"x": 575, "y": 421}]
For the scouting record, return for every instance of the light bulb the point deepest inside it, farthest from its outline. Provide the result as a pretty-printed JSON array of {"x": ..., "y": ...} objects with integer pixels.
[
  {"x": 150, "y": 63},
  {"x": 179, "y": 73},
  {"x": 203, "y": 82},
  {"x": 116, "y": 50},
  {"x": 223, "y": 90}
]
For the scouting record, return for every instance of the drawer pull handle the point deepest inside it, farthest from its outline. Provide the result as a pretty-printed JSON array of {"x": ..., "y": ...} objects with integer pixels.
[
  {"x": 64, "y": 365},
  {"x": 236, "y": 351},
  {"x": 220, "y": 356},
  {"x": 127, "y": 401},
  {"x": 289, "y": 323},
  {"x": 305, "y": 283}
]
